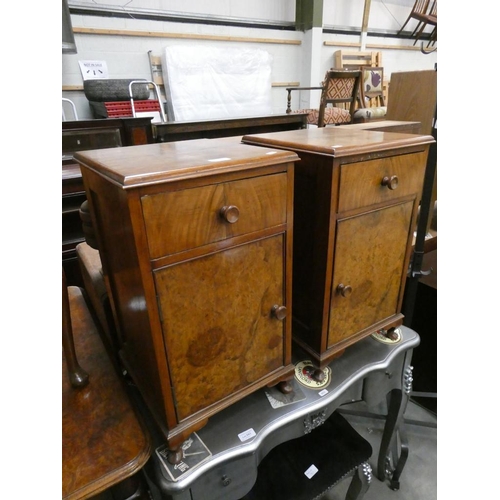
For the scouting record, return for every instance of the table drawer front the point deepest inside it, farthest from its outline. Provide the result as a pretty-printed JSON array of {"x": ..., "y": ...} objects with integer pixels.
[
  {"x": 382, "y": 180},
  {"x": 377, "y": 384},
  {"x": 180, "y": 220},
  {"x": 233, "y": 479}
]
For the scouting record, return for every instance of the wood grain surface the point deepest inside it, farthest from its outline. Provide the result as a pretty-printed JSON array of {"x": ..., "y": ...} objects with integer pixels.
[{"x": 103, "y": 442}]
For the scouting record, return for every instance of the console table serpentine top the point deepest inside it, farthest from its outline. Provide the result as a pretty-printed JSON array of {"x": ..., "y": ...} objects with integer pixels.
[{"x": 233, "y": 443}]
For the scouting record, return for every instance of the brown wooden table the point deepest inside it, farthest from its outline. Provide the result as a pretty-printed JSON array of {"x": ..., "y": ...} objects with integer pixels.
[
  {"x": 228, "y": 127},
  {"x": 103, "y": 442},
  {"x": 384, "y": 125}
]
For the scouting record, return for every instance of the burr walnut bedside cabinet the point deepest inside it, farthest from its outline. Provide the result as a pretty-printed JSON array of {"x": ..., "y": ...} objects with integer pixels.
[
  {"x": 195, "y": 239},
  {"x": 355, "y": 205}
]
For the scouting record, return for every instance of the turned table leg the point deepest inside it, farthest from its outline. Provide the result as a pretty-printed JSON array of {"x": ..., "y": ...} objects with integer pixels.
[{"x": 77, "y": 375}]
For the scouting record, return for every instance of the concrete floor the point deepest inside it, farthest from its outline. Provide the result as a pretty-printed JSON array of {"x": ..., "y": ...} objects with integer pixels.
[{"x": 419, "y": 477}]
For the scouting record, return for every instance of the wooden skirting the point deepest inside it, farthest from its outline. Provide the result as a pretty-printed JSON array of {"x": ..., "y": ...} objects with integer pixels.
[
  {"x": 370, "y": 46},
  {"x": 190, "y": 36},
  {"x": 70, "y": 88},
  {"x": 194, "y": 36}
]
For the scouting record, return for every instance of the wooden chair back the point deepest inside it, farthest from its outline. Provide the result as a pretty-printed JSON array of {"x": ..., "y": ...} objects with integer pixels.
[
  {"x": 340, "y": 87},
  {"x": 428, "y": 18},
  {"x": 419, "y": 8}
]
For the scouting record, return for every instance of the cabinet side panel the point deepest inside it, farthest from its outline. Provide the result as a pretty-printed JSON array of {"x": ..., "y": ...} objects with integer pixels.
[
  {"x": 109, "y": 208},
  {"x": 219, "y": 332},
  {"x": 311, "y": 242}
]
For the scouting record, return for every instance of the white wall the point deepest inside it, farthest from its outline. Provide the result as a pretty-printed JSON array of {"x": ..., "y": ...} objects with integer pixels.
[
  {"x": 385, "y": 15},
  {"x": 127, "y": 56},
  {"x": 275, "y": 10}
]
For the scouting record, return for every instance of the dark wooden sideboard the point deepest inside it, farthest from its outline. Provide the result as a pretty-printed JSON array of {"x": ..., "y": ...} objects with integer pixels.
[
  {"x": 86, "y": 135},
  {"x": 228, "y": 127}
]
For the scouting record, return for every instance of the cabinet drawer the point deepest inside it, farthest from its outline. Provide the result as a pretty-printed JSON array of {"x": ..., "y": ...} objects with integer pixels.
[
  {"x": 180, "y": 220},
  {"x": 228, "y": 481},
  {"x": 377, "y": 385},
  {"x": 375, "y": 181}
]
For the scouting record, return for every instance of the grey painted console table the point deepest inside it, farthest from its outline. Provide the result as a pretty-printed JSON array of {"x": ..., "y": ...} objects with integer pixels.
[{"x": 233, "y": 443}]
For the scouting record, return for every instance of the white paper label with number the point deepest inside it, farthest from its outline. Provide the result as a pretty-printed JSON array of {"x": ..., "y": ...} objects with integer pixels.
[
  {"x": 311, "y": 471},
  {"x": 246, "y": 435}
]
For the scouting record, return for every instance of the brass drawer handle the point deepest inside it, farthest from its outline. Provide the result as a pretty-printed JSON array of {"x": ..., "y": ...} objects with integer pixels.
[
  {"x": 279, "y": 312},
  {"x": 391, "y": 182},
  {"x": 344, "y": 290},
  {"x": 230, "y": 213}
]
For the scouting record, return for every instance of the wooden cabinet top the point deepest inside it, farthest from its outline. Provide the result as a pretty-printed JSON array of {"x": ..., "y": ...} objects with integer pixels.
[
  {"x": 154, "y": 163},
  {"x": 338, "y": 142},
  {"x": 104, "y": 123}
]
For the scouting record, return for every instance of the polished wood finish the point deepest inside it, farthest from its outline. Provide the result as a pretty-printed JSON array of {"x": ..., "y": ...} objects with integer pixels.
[
  {"x": 113, "y": 132},
  {"x": 228, "y": 127},
  {"x": 215, "y": 343},
  {"x": 404, "y": 127},
  {"x": 78, "y": 377},
  {"x": 374, "y": 276},
  {"x": 355, "y": 204},
  {"x": 96, "y": 134},
  {"x": 103, "y": 441},
  {"x": 413, "y": 97},
  {"x": 180, "y": 220},
  {"x": 198, "y": 300}
]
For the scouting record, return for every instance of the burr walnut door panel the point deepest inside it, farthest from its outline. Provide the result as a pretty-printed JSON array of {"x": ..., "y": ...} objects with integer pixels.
[
  {"x": 219, "y": 330},
  {"x": 370, "y": 255}
]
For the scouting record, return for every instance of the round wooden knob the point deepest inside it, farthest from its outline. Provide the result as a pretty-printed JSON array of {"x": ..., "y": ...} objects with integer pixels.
[
  {"x": 391, "y": 182},
  {"x": 230, "y": 213},
  {"x": 344, "y": 290},
  {"x": 279, "y": 312}
]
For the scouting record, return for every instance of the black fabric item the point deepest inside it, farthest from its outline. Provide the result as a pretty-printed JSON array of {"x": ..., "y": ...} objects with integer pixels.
[
  {"x": 335, "y": 448},
  {"x": 104, "y": 90}
]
